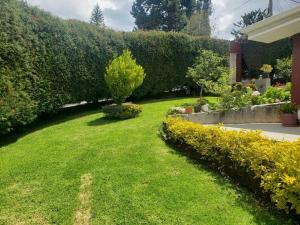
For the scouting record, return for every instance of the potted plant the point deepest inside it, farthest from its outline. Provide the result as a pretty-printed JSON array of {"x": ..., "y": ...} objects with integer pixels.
[
  {"x": 201, "y": 105},
  {"x": 266, "y": 69},
  {"x": 289, "y": 116},
  {"x": 188, "y": 108}
]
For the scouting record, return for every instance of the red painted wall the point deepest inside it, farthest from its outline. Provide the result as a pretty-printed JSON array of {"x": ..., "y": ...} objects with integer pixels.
[
  {"x": 235, "y": 48},
  {"x": 296, "y": 70}
]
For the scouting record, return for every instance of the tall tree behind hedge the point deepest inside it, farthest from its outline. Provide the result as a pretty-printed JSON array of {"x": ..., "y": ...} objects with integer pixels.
[
  {"x": 97, "y": 17},
  {"x": 248, "y": 19},
  {"x": 199, "y": 21},
  {"x": 166, "y": 15}
]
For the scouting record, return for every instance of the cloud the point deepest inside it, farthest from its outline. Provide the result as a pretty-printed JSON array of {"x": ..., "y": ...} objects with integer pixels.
[
  {"x": 117, "y": 12},
  {"x": 226, "y": 12}
]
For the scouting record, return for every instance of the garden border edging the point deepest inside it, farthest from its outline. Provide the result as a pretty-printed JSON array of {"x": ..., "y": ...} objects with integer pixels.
[{"x": 268, "y": 113}]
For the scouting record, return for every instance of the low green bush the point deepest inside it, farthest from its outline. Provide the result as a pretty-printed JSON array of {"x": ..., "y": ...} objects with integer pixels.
[
  {"x": 236, "y": 98},
  {"x": 288, "y": 108},
  {"x": 176, "y": 110},
  {"x": 274, "y": 94},
  {"x": 124, "y": 111},
  {"x": 270, "y": 166},
  {"x": 284, "y": 68}
]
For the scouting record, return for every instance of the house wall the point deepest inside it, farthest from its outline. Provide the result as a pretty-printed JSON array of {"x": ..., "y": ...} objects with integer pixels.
[{"x": 296, "y": 70}]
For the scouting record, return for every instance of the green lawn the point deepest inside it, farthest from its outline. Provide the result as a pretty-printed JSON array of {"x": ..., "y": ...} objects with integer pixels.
[{"x": 120, "y": 172}]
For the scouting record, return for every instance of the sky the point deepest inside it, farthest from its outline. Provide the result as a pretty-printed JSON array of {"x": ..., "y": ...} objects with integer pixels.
[{"x": 117, "y": 12}]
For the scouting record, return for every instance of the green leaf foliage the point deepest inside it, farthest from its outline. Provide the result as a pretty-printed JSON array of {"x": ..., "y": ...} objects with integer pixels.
[
  {"x": 123, "y": 76},
  {"x": 47, "y": 62},
  {"x": 210, "y": 72},
  {"x": 284, "y": 68},
  {"x": 123, "y": 112}
]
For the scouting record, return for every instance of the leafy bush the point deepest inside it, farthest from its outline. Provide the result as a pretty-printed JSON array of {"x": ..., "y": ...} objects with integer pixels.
[
  {"x": 210, "y": 72},
  {"x": 284, "y": 68},
  {"x": 176, "y": 110},
  {"x": 123, "y": 76},
  {"x": 236, "y": 98},
  {"x": 288, "y": 108},
  {"x": 247, "y": 155},
  {"x": 124, "y": 111},
  {"x": 202, "y": 101},
  {"x": 275, "y": 94}
]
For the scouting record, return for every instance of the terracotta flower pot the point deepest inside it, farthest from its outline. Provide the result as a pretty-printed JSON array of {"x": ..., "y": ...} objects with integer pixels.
[
  {"x": 189, "y": 110},
  {"x": 289, "y": 120}
]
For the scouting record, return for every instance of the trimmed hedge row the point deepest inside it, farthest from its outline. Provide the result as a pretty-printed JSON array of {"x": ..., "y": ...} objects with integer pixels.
[
  {"x": 274, "y": 165},
  {"x": 46, "y": 62}
]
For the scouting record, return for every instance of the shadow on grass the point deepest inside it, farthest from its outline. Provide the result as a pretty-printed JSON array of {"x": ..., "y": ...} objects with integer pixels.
[
  {"x": 102, "y": 121},
  {"x": 255, "y": 202},
  {"x": 41, "y": 123}
]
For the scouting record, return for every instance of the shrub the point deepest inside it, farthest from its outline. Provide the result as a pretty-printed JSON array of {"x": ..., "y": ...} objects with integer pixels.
[
  {"x": 288, "y": 108},
  {"x": 176, "y": 110},
  {"x": 124, "y": 111},
  {"x": 248, "y": 155},
  {"x": 123, "y": 76},
  {"x": 236, "y": 98},
  {"x": 210, "y": 72},
  {"x": 284, "y": 68},
  {"x": 275, "y": 94}
]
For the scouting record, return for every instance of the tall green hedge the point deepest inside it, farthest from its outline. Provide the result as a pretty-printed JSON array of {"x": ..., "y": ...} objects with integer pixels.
[
  {"x": 46, "y": 62},
  {"x": 166, "y": 57}
]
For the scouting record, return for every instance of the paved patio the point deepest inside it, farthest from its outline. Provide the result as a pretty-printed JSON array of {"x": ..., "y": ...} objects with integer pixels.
[{"x": 274, "y": 130}]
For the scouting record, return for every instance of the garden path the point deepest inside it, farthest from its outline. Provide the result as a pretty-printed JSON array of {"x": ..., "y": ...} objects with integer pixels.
[{"x": 273, "y": 130}]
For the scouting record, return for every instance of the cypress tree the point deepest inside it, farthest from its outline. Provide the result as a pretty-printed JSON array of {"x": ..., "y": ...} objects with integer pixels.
[
  {"x": 97, "y": 17},
  {"x": 166, "y": 15},
  {"x": 199, "y": 22}
]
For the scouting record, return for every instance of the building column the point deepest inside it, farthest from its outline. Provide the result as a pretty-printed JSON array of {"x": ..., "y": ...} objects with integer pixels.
[
  {"x": 235, "y": 51},
  {"x": 296, "y": 70}
]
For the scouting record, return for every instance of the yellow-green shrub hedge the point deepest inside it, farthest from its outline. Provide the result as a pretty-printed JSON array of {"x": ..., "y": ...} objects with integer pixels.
[{"x": 275, "y": 164}]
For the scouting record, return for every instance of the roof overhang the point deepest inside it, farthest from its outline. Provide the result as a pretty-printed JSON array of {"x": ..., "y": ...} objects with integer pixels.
[{"x": 275, "y": 28}]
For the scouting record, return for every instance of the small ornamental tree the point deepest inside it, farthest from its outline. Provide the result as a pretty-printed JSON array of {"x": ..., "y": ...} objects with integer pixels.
[
  {"x": 123, "y": 76},
  {"x": 210, "y": 72}
]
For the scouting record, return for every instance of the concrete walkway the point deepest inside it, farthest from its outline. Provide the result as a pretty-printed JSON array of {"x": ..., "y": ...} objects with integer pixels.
[{"x": 272, "y": 130}]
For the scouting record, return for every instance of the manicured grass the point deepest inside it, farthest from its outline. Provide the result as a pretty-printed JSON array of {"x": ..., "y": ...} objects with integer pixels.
[
  {"x": 213, "y": 100},
  {"x": 122, "y": 170}
]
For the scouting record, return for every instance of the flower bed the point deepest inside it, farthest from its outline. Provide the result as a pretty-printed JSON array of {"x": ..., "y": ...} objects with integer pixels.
[{"x": 273, "y": 165}]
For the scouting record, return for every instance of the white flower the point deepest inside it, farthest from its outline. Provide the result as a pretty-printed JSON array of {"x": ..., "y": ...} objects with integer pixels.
[
  {"x": 179, "y": 110},
  {"x": 256, "y": 94}
]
